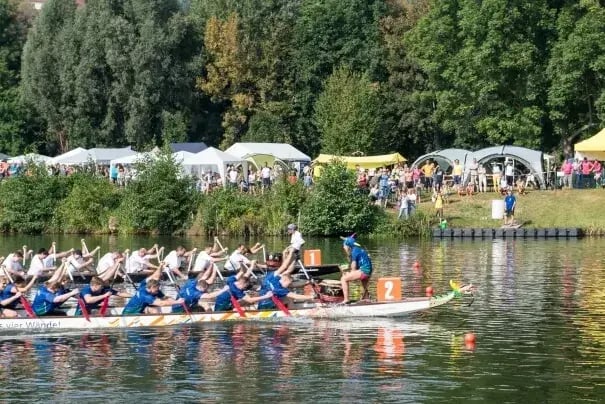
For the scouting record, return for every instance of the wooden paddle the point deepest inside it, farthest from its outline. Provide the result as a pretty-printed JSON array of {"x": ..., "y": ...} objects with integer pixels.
[
  {"x": 82, "y": 305},
  {"x": 314, "y": 285},
  {"x": 24, "y": 302}
]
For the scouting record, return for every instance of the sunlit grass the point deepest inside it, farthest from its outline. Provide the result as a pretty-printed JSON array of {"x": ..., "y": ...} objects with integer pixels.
[{"x": 583, "y": 209}]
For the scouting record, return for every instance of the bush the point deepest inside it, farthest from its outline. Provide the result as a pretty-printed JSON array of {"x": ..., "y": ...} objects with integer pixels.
[
  {"x": 160, "y": 199},
  {"x": 418, "y": 225},
  {"x": 336, "y": 207},
  {"x": 88, "y": 206},
  {"x": 28, "y": 202}
]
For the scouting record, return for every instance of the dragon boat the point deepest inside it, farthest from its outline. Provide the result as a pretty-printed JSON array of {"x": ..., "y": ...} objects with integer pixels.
[
  {"x": 313, "y": 271},
  {"x": 114, "y": 319}
]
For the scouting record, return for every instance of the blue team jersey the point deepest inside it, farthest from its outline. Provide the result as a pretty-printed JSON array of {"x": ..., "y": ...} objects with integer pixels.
[
  {"x": 223, "y": 301},
  {"x": 88, "y": 291},
  {"x": 509, "y": 201},
  {"x": 272, "y": 284},
  {"x": 191, "y": 294},
  {"x": 44, "y": 301},
  {"x": 140, "y": 301},
  {"x": 8, "y": 293},
  {"x": 362, "y": 259}
]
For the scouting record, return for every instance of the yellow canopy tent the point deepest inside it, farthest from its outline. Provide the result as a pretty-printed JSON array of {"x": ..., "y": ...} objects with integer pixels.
[
  {"x": 363, "y": 162},
  {"x": 594, "y": 147}
]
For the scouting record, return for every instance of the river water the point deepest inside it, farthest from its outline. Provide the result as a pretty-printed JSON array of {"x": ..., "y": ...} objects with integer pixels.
[{"x": 538, "y": 316}]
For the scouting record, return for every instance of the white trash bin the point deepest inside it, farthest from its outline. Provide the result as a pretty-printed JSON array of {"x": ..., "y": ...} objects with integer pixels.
[{"x": 497, "y": 209}]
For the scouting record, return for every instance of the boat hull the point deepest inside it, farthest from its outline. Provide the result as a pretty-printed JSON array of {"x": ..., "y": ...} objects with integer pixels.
[{"x": 306, "y": 310}]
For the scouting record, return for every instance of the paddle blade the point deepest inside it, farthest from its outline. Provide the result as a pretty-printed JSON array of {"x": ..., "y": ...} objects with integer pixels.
[
  {"x": 237, "y": 306},
  {"x": 82, "y": 305},
  {"x": 280, "y": 305},
  {"x": 104, "y": 306},
  {"x": 28, "y": 308}
]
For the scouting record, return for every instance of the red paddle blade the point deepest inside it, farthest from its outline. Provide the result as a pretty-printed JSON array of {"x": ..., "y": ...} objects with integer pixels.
[
  {"x": 104, "y": 306},
  {"x": 237, "y": 306},
  {"x": 28, "y": 307},
  {"x": 186, "y": 309},
  {"x": 83, "y": 308},
  {"x": 280, "y": 305}
]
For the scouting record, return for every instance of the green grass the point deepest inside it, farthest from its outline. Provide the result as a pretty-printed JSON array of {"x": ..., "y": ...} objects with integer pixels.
[{"x": 583, "y": 209}]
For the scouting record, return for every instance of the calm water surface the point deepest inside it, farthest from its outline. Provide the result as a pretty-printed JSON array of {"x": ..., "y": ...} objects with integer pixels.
[{"x": 538, "y": 314}]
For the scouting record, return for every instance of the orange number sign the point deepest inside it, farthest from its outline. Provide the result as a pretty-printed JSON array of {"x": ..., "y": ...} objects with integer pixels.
[
  {"x": 312, "y": 258},
  {"x": 388, "y": 289}
]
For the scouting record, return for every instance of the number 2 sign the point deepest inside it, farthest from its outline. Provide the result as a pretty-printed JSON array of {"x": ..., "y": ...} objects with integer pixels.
[{"x": 388, "y": 289}]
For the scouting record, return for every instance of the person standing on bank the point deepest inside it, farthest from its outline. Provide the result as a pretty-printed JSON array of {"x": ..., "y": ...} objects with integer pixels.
[
  {"x": 509, "y": 205},
  {"x": 296, "y": 243}
]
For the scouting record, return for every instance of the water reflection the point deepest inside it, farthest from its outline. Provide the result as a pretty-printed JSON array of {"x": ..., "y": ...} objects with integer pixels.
[{"x": 538, "y": 316}]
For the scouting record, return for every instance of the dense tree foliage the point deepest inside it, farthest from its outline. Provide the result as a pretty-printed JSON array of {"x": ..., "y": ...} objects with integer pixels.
[{"x": 443, "y": 73}]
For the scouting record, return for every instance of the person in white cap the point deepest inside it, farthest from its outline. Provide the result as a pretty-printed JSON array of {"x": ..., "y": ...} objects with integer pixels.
[{"x": 296, "y": 243}]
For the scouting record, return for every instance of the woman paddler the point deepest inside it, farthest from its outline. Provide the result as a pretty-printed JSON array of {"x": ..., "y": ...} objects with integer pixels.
[{"x": 360, "y": 265}]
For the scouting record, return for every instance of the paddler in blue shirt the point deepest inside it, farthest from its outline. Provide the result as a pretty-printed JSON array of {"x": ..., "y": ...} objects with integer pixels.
[
  {"x": 196, "y": 289},
  {"x": 95, "y": 293},
  {"x": 237, "y": 286},
  {"x": 278, "y": 284},
  {"x": 360, "y": 265},
  {"x": 148, "y": 299},
  {"x": 17, "y": 287},
  {"x": 50, "y": 297}
]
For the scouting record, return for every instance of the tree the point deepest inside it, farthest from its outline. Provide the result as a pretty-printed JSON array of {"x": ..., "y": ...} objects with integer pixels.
[
  {"x": 576, "y": 95},
  {"x": 347, "y": 114},
  {"x": 486, "y": 62},
  {"x": 329, "y": 34},
  {"x": 41, "y": 70},
  {"x": 125, "y": 71}
]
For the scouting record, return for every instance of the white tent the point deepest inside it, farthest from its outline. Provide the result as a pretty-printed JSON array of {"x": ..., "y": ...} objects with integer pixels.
[
  {"x": 131, "y": 159},
  {"x": 180, "y": 156},
  {"x": 210, "y": 159},
  {"x": 96, "y": 155},
  {"x": 25, "y": 158},
  {"x": 282, "y": 151}
]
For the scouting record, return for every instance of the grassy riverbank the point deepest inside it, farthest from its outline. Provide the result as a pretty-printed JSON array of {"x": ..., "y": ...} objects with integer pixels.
[{"x": 583, "y": 209}]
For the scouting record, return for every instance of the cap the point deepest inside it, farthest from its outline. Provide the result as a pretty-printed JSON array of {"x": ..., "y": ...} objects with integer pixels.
[
  {"x": 292, "y": 226},
  {"x": 349, "y": 242}
]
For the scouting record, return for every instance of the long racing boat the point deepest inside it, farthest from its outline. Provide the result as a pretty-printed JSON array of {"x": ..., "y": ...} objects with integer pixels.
[
  {"x": 114, "y": 319},
  {"x": 313, "y": 271}
]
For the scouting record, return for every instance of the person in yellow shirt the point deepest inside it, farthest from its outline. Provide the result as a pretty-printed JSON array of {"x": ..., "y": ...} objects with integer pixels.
[
  {"x": 428, "y": 168},
  {"x": 457, "y": 174},
  {"x": 439, "y": 205}
]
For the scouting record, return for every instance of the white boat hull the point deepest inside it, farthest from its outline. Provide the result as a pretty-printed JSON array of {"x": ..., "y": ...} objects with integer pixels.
[{"x": 306, "y": 310}]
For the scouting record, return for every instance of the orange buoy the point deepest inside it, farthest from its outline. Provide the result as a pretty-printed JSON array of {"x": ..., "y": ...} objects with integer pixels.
[
  {"x": 469, "y": 338},
  {"x": 416, "y": 264},
  {"x": 470, "y": 346},
  {"x": 429, "y": 291}
]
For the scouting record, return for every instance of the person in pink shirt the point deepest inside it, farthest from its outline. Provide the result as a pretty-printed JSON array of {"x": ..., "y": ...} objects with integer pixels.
[
  {"x": 586, "y": 170},
  {"x": 567, "y": 169}
]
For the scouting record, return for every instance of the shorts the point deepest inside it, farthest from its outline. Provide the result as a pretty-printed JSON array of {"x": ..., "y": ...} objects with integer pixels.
[
  {"x": 510, "y": 212},
  {"x": 296, "y": 254},
  {"x": 364, "y": 276}
]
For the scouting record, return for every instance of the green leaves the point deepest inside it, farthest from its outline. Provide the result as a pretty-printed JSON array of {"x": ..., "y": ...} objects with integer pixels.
[{"x": 347, "y": 114}]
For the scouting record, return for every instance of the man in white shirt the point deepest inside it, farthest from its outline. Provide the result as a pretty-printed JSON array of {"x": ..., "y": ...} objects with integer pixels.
[
  {"x": 175, "y": 260},
  {"x": 265, "y": 174},
  {"x": 139, "y": 262},
  {"x": 13, "y": 263},
  {"x": 207, "y": 258},
  {"x": 296, "y": 243},
  {"x": 239, "y": 260},
  {"x": 78, "y": 263},
  {"x": 37, "y": 266},
  {"x": 107, "y": 263}
]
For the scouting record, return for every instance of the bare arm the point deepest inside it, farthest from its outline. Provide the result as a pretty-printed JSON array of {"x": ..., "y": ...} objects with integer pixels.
[
  {"x": 64, "y": 297},
  {"x": 167, "y": 302},
  {"x": 90, "y": 299},
  {"x": 296, "y": 296},
  {"x": 11, "y": 299}
]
